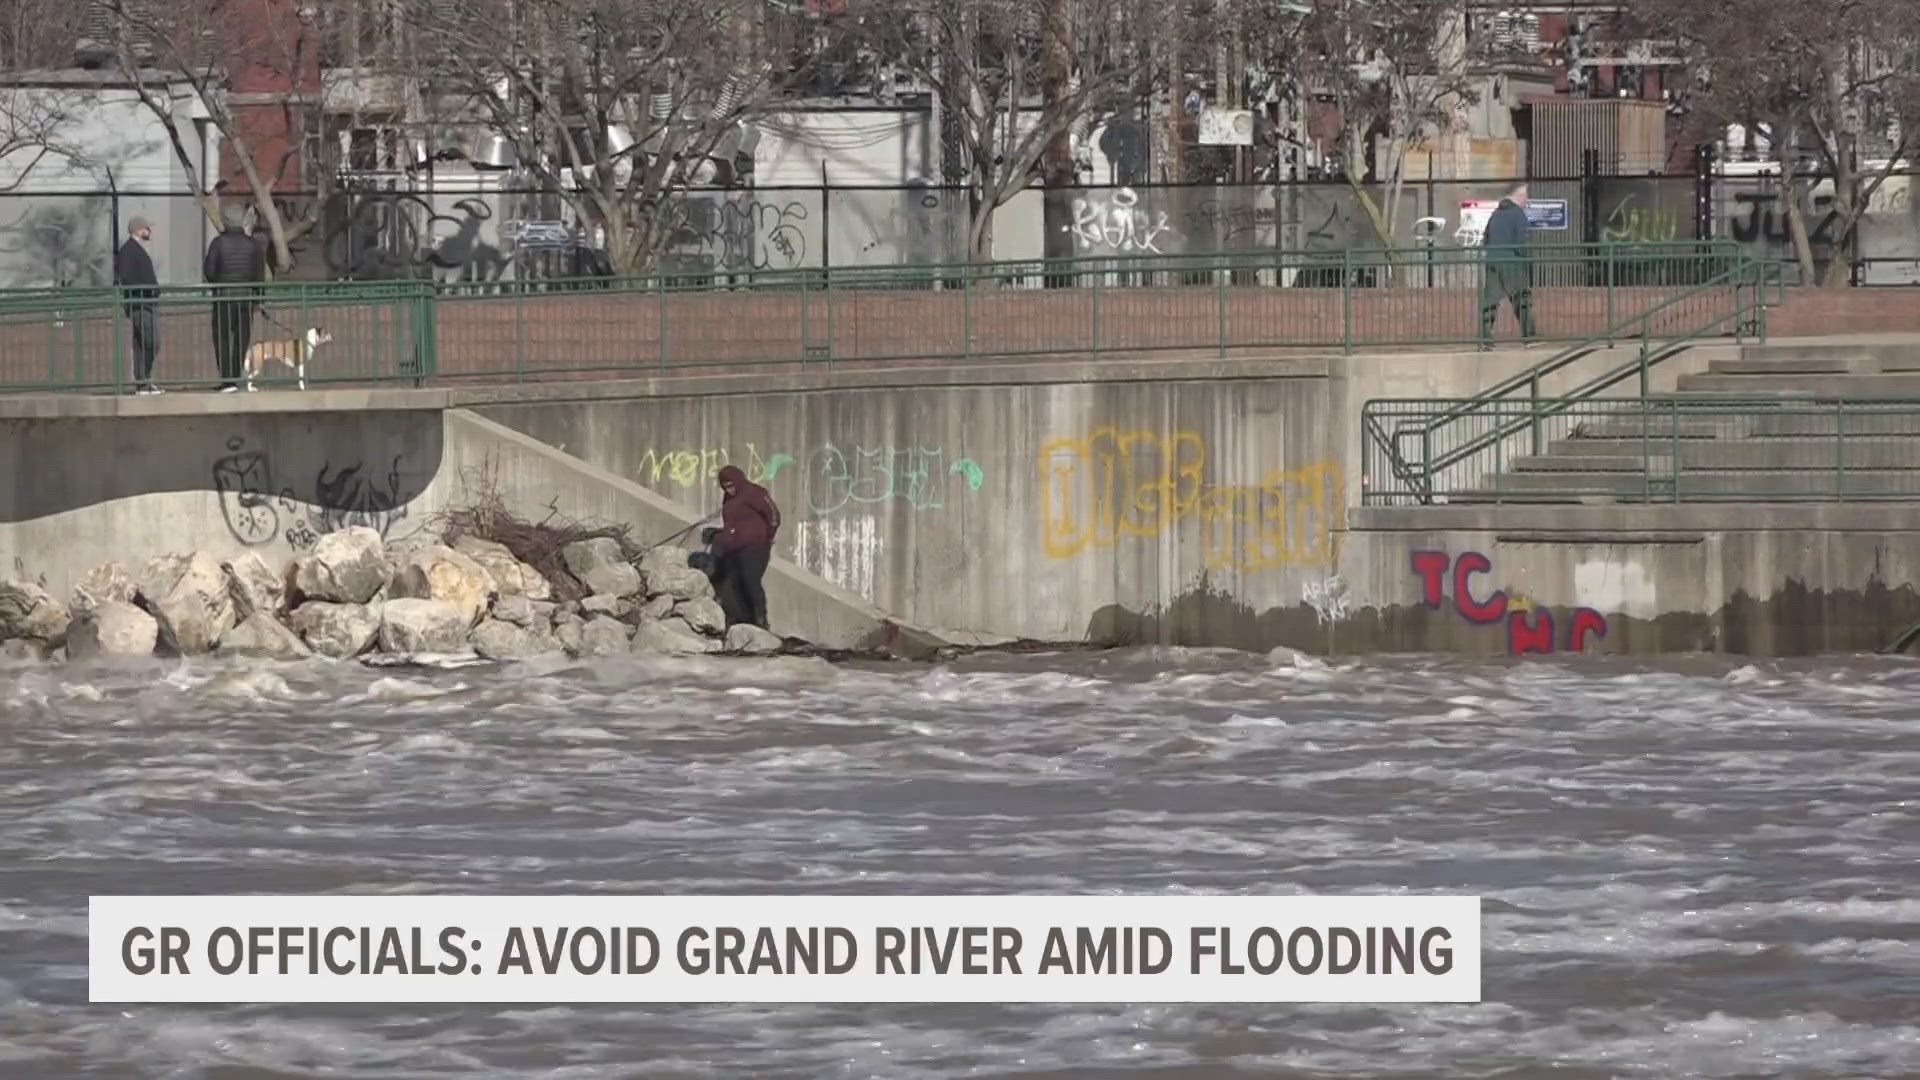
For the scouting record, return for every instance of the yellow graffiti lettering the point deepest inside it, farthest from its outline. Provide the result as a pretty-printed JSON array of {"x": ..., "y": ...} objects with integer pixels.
[
  {"x": 1109, "y": 485},
  {"x": 687, "y": 467}
]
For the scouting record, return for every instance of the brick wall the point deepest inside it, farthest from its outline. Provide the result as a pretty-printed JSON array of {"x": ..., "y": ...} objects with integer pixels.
[{"x": 1816, "y": 312}]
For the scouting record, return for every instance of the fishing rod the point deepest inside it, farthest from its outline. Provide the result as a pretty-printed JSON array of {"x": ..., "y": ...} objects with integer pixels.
[{"x": 682, "y": 532}]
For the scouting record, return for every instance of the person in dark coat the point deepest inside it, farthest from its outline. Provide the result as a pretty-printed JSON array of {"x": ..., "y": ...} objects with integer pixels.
[
  {"x": 1508, "y": 271},
  {"x": 133, "y": 272},
  {"x": 236, "y": 267},
  {"x": 749, "y": 521}
]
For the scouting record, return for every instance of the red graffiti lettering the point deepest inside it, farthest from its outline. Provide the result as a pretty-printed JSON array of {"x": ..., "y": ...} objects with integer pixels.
[
  {"x": 1585, "y": 621},
  {"x": 1430, "y": 565},
  {"x": 1474, "y": 611},
  {"x": 1535, "y": 637},
  {"x": 1529, "y": 631}
]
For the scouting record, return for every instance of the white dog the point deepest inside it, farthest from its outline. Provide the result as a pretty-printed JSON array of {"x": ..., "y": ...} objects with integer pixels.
[{"x": 294, "y": 354}]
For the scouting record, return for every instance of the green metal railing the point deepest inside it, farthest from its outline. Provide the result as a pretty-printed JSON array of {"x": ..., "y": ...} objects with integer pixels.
[
  {"x": 1675, "y": 449},
  {"x": 1214, "y": 303},
  {"x": 81, "y": 339},
  {"x": 1416, "y": 451},
  {"x": 608, "y": 327}
]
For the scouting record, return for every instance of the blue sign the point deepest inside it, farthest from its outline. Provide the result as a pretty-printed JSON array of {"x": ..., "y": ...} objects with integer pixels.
[{"x": 1547, "y": 213}]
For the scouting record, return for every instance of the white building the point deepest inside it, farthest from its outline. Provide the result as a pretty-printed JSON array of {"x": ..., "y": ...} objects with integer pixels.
[{"x": 72, "y": 136}]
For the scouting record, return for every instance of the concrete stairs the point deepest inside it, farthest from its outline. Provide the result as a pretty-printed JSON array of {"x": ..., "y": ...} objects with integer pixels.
[{"x": 1725, "y": 445}]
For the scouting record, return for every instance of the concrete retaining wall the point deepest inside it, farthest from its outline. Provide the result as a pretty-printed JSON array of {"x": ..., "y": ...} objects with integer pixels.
[
  {"x": 1201, "y": 503},
  {"x": 82, "y": 490}
]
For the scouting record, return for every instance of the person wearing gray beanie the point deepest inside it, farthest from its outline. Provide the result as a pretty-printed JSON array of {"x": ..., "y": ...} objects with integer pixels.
[
  {"x": 133, "y": 272},
  {"x": 235, "y": 267}
]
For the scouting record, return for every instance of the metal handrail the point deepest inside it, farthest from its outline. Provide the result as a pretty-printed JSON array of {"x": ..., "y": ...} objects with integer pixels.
[{"x": 1645, "y": 360}]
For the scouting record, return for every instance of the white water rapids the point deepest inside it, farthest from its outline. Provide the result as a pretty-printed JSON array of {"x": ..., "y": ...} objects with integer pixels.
[{"x": 1697, "y": 868}]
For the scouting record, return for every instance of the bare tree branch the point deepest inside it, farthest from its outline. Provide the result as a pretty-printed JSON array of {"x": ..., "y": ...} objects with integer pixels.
[
  {"x": 614, "y": 104},
  {"x": 1841, "y": 88},
  {"x": 996, "y": 65}
]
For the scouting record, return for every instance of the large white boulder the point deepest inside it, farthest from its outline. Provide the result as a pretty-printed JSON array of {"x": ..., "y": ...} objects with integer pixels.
[
  {"x": 345, "y": 567},
  {"x": 441, "y": 573},
  {"x": 413, "y": 625},
  {"x": 601, "y": 567},
  {"x": 753, "y": 641},
  {"x": 255, "y": 588},
  {"x": 342, "y": 631},
  {"x": 679, "y": 582},
  {"x": 514, "y": 577},
  {"x": 188, "y": 595},
  {"x": 496, "y": 640},
  {"x": 29, "y": 613},
  {"x": 108, "y": 581},
  {"x": 263, "y": 635},
  {"x": 112, "y": 629},
  {"x": 603, "y": 637},
  {"x": 672, "y": 637}
]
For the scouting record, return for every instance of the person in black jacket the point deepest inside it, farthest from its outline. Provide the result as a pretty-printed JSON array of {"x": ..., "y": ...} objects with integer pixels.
[
  {"x": 236, "y": 267},
  {"x": 1508, "y": 273},
  {"x": 133, "y": 272}
]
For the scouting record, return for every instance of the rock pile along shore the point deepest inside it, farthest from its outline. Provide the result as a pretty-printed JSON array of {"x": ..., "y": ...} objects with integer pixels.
[{"x": 354, "y": 596}]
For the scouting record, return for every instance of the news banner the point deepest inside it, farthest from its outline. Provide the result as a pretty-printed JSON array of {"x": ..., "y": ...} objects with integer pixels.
[{"x": 1174, "y": 948}]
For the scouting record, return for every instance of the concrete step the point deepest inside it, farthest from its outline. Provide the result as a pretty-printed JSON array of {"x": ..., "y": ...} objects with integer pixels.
[
  {"x": 1589, "y": 463},
  {"x": 1827, "y": 385},
  {"x": 1834, "y": 363},
  {"x": 1608, "y": 455},
  {"x": 1755, "y": 485},
  {"x": 1602, "y": 434},
  {"x": 1854, "y": 423},
  {"x": 1862, "y": 357}
]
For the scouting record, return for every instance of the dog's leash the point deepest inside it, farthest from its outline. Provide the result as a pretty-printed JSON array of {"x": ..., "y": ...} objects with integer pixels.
[{"x": 262, "y": 309}]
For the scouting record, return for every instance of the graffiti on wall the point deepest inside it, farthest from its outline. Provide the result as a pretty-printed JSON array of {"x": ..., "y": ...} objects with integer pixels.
[
  {"x": 1117, "y": 224},
  {"x": 341, "y": 497},
  {"x": 830, "y": 478},
  {"x": 1530, "y": 628},
  {"x": 1330, "y": 598},
  {"x": 1109, "y": 485},
  {"x": 732, "y": 233}
]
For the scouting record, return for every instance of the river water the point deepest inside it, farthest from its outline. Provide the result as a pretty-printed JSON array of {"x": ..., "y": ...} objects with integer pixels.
[{"x": 1697, "y": 868}]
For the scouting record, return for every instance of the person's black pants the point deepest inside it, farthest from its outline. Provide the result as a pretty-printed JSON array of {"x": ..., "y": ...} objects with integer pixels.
[
  {"x": 743, "y": 597},
  {"x": 1513, "y": 285},
  {"x": 232, "y": 333},
  {"x": 145, "y": 323}
]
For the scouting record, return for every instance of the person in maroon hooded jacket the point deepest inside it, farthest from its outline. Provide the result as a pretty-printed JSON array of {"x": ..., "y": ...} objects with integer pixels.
[{"x": 749, "y": 521}]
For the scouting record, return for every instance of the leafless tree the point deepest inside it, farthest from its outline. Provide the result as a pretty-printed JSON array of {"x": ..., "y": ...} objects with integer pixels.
[
  {"x": 1841, "y": 87},
  {"x": 615, "y": 105},
  {"x": 35, "y": 124},
  {"x": 35, "y": 121},
  {"x": 1012, "y": 76},
  {"x": 243, "y": 61},
  {"x": 1393, "y": 71}
]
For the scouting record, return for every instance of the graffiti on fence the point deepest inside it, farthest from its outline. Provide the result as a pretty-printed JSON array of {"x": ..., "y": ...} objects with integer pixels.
[
  {"x": 340, "y": 498},
  {"x": 391, "y": 235},
  {"x": 1530, "y": 627},
  {"x": 1110, "y": 485},
  {"x": 832, "y": 479},
  {"x": 917, "y": 228},
  {"x": 1759, "y": 222},
  {"x": 733, "y": 234},
  {"x": 1233, "y": 225},
  {"x": 1640, "y": 224},
  {"x": 1118, "y": 224}
]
